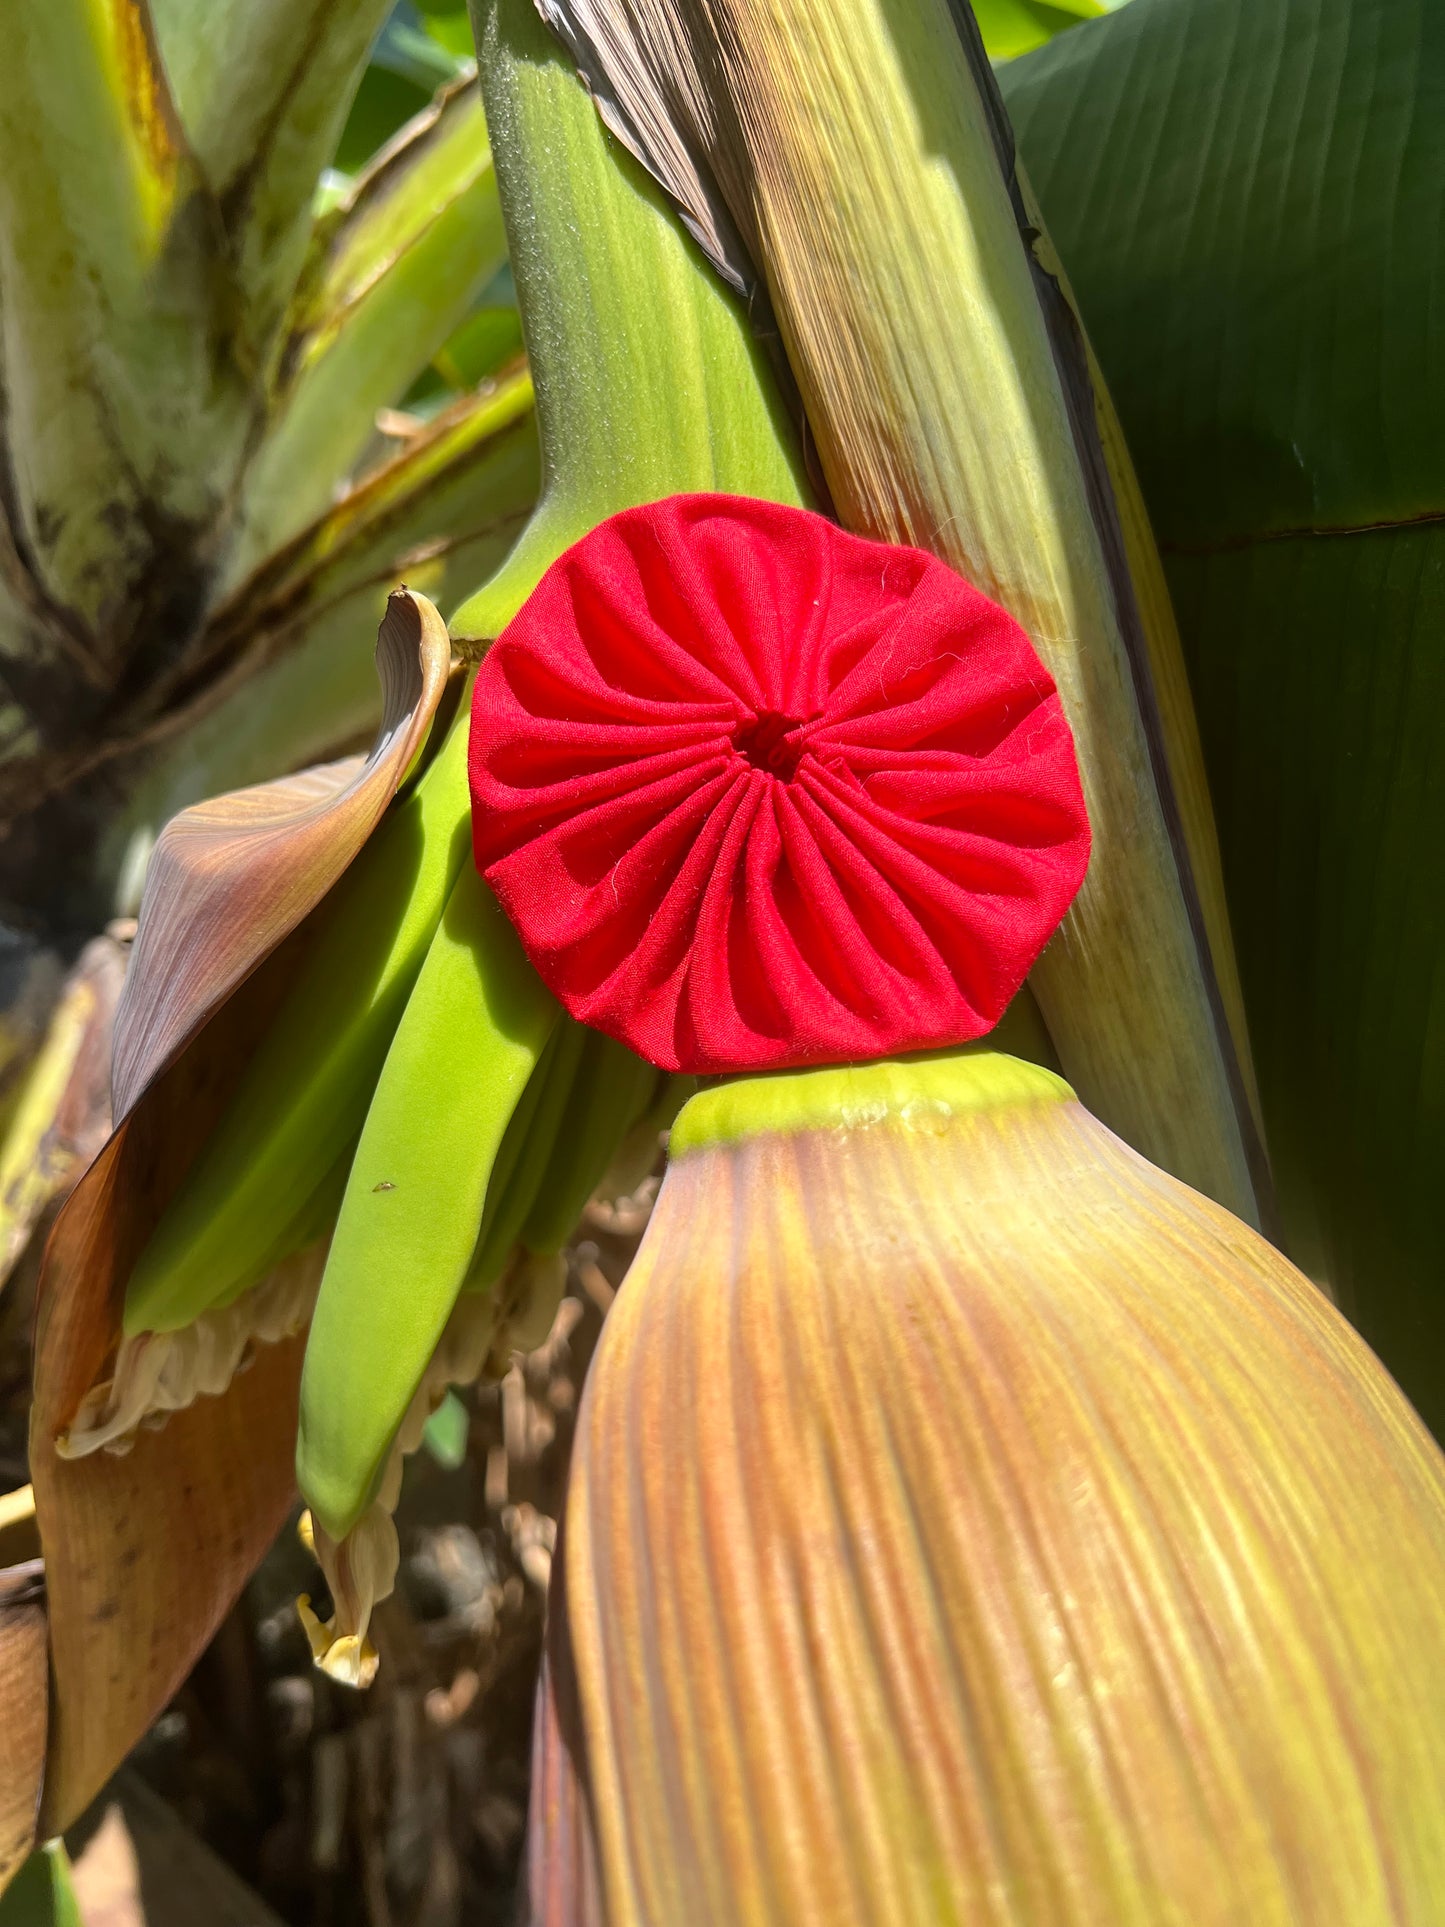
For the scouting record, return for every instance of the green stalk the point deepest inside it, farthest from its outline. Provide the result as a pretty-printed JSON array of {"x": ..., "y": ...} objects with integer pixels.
[
  {"x": 648, "y": 379},
  {"x": 124, "y": 413}
]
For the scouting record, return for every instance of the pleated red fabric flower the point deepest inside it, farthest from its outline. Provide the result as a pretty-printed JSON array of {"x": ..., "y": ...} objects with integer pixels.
[{"x": 756, "y": 792}]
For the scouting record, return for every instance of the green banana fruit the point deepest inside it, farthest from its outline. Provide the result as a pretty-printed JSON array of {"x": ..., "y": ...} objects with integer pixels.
[
  {"x": 511, "y": 1192},
  {"x": 613, "y": 1088},
  {"x": 637, "y": 1153},
  {"x": 475, "y": 1026},
  {"x": 506, "y": 1164},
  {"x": 304, "y": 1095}
]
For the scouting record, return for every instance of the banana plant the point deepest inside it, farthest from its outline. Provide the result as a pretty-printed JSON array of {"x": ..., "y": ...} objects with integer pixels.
[
  {"x": 271, "y": 670},
  {"x": 928, "y": 1293}
]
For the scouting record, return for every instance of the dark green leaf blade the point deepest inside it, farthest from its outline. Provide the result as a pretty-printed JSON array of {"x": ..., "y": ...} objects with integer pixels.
[{"x": 1247, "y": 196}]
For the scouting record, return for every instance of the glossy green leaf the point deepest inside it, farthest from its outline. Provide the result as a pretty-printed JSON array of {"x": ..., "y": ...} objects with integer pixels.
[
  {"x": 1247, "y": 196},
  {"x": 1244, "y": 193}
]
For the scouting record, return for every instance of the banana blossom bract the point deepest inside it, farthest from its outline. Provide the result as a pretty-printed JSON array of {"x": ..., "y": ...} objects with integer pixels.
[{"x": 1030, "y": 1541}]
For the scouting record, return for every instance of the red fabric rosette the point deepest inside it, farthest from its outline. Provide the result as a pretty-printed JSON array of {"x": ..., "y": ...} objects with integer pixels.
[{"x": 757, "y": 792}]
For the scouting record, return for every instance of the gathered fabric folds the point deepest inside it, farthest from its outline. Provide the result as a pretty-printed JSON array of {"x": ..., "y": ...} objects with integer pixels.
[{"x": 756, "y": 792}]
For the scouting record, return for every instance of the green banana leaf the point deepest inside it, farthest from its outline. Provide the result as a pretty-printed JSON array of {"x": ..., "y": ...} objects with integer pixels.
[
  {"x": 393, "y": 271},
  {"x": 1247, "y": 196}
]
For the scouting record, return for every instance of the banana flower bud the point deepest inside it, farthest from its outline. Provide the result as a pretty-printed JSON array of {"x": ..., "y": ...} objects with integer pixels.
[{"x": 970, "y": 1523}]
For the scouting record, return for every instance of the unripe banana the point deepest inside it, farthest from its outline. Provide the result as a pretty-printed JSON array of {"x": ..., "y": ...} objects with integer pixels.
[
  {"x": 586, "y": 1101},
  {"x": 526, "y": 1157},
  {"x": 614, "y": 1087},
  {"x": 467, "y": 1045},
  {"x": 304, "y": 1095},
  {"x": 507, "y": 1163},
  {"x": 638, "y": 1152}
]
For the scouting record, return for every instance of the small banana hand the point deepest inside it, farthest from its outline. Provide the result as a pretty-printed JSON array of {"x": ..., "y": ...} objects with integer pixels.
[
  {"x": 467, "y": 1045},
  {"x": 613, "y": 1088}
]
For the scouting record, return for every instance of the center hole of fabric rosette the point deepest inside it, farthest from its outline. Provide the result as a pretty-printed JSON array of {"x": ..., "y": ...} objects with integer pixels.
[{"x": 763, "y": 740}]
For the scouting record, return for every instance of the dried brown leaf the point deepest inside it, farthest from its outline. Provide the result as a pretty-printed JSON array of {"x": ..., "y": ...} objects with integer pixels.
[
  {"x": 22, "y": 1709},
  {"x": 147, "y": 1551},
  {"x": 639, "y": 70},
  {"x": 231, "y": 877}
]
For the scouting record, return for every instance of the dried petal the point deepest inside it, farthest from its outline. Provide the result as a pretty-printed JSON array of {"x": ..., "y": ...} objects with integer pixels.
[
  {"x": 360, "y": 1570},
  {"x": 156, "y": 1373}
]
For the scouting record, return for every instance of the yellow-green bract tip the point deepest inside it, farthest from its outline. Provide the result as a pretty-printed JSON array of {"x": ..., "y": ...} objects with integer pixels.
[{"x": 917, "y": 1093}]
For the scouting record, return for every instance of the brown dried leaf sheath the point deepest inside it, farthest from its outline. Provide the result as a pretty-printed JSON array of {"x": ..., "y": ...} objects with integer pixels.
[
  {"x": 230, "y": 878},
  {"x": 146, "y": 1553},
  {"x": 22, "y": 1709}
]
